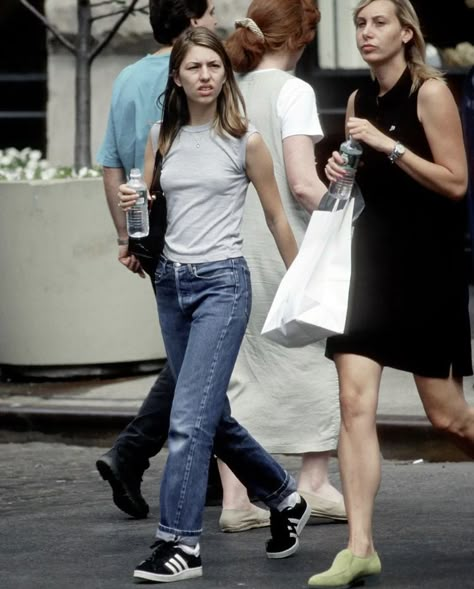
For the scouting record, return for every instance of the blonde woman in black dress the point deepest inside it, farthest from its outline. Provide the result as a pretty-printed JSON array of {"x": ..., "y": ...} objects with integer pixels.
[{"x": 409, "y": 298}]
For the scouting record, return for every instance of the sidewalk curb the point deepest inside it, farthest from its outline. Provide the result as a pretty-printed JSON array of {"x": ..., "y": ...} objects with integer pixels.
[
  {"x": 414, "y": 438},
  {"x": 401, "y": 437},
  {"x": 84, "y": 427}
]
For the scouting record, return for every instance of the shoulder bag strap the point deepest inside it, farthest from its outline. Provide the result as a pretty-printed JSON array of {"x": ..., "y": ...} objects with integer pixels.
[{"x": 155, "y": 187}]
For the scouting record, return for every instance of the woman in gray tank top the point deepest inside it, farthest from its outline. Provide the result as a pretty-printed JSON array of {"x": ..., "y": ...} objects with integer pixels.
[{"x": 210, "y": 153}]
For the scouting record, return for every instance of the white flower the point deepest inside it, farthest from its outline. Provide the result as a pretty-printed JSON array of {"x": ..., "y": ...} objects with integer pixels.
[
  {"x": 43, "y": 164},
  {"x": 28, "y": 164},
  {"x": 24, "y": 153},
  {"x": 35, "y": 155},
  {"x": 12, "y": 152},
  {"x": 48, "y": 174},
  {"x": 31, "y": 165}
]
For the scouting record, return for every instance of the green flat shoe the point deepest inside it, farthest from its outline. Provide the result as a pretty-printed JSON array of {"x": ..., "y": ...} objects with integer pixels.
[{"x": 348, "y": 571}]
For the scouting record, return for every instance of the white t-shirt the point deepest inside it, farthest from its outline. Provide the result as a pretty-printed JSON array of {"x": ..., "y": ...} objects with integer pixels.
[{"x": 297, "y": 109}]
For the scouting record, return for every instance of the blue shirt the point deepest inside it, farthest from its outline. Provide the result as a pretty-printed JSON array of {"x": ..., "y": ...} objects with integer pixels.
[{"x": 134, "y": 108}]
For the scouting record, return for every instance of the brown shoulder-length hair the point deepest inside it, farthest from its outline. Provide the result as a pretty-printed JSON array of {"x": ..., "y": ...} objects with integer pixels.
[
  {"x": 415, "y": 49},
  {"x": 285, "y": 24},
  {"x": 230, "y": 112}
]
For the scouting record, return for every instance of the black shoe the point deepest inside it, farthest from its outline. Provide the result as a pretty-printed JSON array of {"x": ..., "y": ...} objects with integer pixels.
[
  {"x": 285, "y": 527},
  {"x": 125, "y": 481},
  {"x": 168, "y": 563}
]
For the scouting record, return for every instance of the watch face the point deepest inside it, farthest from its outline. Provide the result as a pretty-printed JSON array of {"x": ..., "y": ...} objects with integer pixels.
[{"x": 399, "y": 149}]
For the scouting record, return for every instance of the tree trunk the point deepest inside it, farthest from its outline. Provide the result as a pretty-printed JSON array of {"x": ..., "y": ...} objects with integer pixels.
[{"x": 82, "y": 147}]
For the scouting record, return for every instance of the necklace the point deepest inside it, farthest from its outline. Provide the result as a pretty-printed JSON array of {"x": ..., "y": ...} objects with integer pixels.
[
  {"x": 196, "y": 134},
  {"x": 197, "y": 139}
]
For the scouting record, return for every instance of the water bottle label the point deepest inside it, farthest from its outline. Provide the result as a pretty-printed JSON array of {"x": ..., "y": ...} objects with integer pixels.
[
  {"x": 350, "y": 151},
  {"x": 351, "y": 160}
]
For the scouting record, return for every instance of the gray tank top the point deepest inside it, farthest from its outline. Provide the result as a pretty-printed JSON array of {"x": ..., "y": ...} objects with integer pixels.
[{"x": 205, "y": 183}]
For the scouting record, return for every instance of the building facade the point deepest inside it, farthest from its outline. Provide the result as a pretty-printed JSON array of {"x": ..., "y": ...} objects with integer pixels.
[{"x": 332, "y": 65}]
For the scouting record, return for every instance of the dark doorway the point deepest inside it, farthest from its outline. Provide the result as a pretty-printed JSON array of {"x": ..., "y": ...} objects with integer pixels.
[
  {"x": 445, "y": 24},
  {"x": 23, "y": 83}
]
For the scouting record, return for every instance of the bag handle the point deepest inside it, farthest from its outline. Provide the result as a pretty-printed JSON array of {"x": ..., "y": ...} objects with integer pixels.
[{"x": 155, "y": 187}]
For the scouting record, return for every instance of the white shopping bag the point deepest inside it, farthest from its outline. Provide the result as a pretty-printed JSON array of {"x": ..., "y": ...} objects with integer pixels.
[{"x": 311, "y": 301}]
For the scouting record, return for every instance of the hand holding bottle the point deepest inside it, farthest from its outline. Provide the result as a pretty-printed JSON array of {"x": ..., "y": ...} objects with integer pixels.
[
  {"x": 133, "y": 200},
  {"x": 334, "y": 168},
  {"x": 127, "y": 197},
  {"x": 341, "y": 169}
]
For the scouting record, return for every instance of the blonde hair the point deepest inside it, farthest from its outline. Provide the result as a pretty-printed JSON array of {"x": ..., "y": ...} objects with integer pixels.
[
  {"x": 230, "y": 112},
  {"x": 415, "y": 49}
]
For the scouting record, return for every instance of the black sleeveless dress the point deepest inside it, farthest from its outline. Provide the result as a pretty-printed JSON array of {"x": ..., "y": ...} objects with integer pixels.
[{"x": 408, "y": 301}]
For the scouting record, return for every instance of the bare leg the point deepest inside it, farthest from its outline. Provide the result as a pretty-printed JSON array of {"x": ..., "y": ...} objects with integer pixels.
[
  {"x": 359, "y": 463},
  {"x": 446, "y": 408},
  {"x": 313, "y": 483},
  {"x": 313, "y": 477},
  {"x": 234, "y": 493},
  {"x": 238, "y": 513},
  {"x": 359, "y": 454}
]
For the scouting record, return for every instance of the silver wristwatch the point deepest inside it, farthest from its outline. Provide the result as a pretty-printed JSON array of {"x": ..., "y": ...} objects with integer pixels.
[{"x": 397, "y": 152}]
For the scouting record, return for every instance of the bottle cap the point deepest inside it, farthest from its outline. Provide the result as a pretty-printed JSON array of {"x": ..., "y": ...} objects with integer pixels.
[
  {"x": 351, "y": 146},
  {"x": 134, "y": 172}
]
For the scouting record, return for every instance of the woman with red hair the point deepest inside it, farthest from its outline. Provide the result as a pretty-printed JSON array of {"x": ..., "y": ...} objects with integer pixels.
[{"x": 286, "y": 397}]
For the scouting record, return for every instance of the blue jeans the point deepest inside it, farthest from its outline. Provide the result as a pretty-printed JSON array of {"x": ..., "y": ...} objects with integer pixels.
[{"x": 203, "y": 311}]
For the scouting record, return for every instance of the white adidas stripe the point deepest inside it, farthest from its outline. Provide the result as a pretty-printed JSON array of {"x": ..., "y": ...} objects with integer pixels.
[
  {"x": 292, "y": 527},
  {"x": 176, "y": 564}
]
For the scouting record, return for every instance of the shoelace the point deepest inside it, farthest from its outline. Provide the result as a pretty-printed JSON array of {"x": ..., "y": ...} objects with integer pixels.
[
  {"x": 158, "y": 543},
  {"x": 163, "y": 553}
]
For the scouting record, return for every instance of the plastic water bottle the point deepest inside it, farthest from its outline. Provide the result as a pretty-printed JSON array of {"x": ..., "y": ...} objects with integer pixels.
[
  {"x": 351, "y": 151},
  {"x": 137, "y": 217}
]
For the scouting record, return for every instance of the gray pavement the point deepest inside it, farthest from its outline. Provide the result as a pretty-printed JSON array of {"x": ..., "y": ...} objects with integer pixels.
[{"x": 59, "y": 528}]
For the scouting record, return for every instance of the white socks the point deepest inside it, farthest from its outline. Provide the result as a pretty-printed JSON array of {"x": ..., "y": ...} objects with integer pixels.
[
  {"x": 289, "y": 501},
  {"x": 194, "y": 550}
]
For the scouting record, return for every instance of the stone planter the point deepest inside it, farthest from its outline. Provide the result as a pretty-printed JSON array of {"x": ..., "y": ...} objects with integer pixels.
[{"x": 64, "y": 299}]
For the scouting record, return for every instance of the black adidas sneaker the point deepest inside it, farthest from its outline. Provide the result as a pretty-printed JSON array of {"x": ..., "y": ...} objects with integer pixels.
[
  {"x": 168, "y": 563},
  {"x": 285, "y": 527}
]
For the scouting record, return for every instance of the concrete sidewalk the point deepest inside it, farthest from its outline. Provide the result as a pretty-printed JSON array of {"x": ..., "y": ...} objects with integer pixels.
[{"x": 92, "y": 412}]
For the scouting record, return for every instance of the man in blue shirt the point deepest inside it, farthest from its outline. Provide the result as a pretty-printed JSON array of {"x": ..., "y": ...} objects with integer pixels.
[{"x": 134, "y": 108}]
